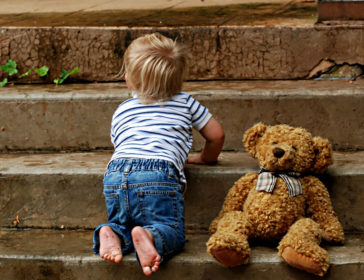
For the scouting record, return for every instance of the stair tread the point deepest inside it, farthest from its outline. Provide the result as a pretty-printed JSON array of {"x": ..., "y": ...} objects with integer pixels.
[
  {"x": 158, "y": 13},
  {"x": 76, "y": 245},
  {"x": 95, "y": 163},
  {"x": 243, "y": 88}
]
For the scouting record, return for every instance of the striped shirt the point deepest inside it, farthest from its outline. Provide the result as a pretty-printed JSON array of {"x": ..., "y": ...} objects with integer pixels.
[{"x": 161, "y": 130}]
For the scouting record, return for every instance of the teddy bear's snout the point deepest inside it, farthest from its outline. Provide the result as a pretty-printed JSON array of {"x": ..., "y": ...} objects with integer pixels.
[{"x": 278, "y": 152}]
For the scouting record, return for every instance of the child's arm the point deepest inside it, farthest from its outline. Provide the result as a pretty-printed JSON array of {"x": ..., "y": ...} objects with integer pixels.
[{"x": 214, "y": 136}]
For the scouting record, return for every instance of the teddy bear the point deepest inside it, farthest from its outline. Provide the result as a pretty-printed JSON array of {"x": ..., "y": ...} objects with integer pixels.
[{"x": 284, "y": 202}]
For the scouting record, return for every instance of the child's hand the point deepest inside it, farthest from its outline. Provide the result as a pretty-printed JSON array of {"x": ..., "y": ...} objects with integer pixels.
[{"x": 197, "y": 159}]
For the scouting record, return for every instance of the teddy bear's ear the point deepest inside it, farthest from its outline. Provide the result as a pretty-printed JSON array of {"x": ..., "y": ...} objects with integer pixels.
[
  {"x": 251, "y": 137},
  {"x": 323, "y": 155}
]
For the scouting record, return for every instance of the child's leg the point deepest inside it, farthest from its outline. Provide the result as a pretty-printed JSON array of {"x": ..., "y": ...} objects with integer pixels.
[
  {"x": 112, "y": 241},
  {"x": 110, "y": 245},
  {"x": 160, "y": 234},
  {"x": 162, "y": 216},
  {"x": 144, "y": 246},
  {"x": 157, "y": 208}
]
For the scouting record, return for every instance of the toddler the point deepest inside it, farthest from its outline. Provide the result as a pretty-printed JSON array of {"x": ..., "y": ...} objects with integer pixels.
[{"x": 152, "y": 135}]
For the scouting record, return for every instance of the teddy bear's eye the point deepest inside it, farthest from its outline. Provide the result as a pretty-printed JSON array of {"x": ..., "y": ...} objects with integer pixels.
[
  {"x": 274, "y": 143},
  {"x": 294, "y": 148}
]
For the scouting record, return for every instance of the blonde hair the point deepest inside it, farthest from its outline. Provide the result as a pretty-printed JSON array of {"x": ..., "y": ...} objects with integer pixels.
[{"x": 155, "y": 66}]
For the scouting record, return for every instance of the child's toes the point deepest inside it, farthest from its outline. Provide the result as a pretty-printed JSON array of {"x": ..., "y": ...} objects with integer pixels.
[
  {"x": 118, "y": 258},
  {"x": 155, "y": 266},
  {"x": 147, "y": 270}
]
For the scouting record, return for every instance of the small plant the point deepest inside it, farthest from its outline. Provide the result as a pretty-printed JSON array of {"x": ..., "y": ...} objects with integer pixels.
[
  {"x": 4, "y": 82},
  {"x": 65, "y": 74},
  {"x": 11, "y": 68},
  {"x": 26, "y": 73},
  {"x": 42, "y": 71}
]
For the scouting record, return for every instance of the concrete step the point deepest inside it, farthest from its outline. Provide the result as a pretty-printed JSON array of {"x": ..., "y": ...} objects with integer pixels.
[
  {"x": 331, "y": 10},
  {"x": 64, "y": 190},
  {"x": 266, "y": 50},
  {"x": 159, "y": 13},
  {"x": 77, "y": 117},
  {"x": 51, "y": 255},
  {"x": 76, "y": 8}
]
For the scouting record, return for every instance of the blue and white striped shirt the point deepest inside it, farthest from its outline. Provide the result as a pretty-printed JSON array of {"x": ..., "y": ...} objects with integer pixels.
[{"x": 161, "y": 130}]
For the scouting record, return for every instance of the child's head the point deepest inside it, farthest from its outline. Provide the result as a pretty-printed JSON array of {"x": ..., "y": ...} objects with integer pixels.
[{"x": 154, "y": 67}]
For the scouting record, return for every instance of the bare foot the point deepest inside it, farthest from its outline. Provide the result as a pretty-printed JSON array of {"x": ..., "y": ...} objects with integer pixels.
[
  {"x": 144, "y": 245},
  {"x": 110, "y": 249}
]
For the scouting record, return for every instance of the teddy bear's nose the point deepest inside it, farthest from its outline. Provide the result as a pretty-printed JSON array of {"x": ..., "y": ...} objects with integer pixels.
[{"x": 278, "y": 152}]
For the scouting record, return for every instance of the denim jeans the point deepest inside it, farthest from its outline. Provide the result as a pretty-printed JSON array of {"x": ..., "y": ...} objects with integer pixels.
[{"x": 146, "y": 193}]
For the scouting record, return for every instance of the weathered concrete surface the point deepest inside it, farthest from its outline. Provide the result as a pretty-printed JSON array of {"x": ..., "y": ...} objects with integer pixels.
[
  {"x": 77, "y": 117},
  {"x": 65, "y": 190},
  {"x": 34, "y": 6},
  {"x": 59, "y": 118},
  {"x": 67, "y": 255},
  {"x": 340, "y": 10},
  {"x": 137, "y": 14},
  {"x": 240, "y": 52}
]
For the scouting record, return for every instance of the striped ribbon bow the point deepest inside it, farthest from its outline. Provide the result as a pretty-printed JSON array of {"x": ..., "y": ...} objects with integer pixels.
[{"x": 267, "y": 181}]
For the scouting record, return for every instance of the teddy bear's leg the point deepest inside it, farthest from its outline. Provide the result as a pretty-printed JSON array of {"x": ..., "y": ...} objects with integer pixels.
[
  {"x": 300, "y": 247},
  {"x": 229, "y": 244}
]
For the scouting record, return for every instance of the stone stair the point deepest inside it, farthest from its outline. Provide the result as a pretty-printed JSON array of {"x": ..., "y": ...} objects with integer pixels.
[
  {"x": 69, "y": 186},
  {"x": 56, "y": 199},
  {"x": 77, "y": 117},
  {"x": 54, "y": 141},
  {"x": 51, "y": 194},
  {"x": 74, "y": 261}
]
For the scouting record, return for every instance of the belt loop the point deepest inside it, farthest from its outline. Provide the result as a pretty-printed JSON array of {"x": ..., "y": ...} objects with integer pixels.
[{"x": 127, "y": 167}]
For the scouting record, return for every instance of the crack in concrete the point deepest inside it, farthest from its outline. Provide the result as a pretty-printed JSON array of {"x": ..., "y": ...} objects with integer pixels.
[{"x": 328, "y": 69}]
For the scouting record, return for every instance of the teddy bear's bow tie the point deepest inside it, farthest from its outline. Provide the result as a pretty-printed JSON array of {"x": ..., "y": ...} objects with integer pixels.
[{"x": 267, "y": 181}]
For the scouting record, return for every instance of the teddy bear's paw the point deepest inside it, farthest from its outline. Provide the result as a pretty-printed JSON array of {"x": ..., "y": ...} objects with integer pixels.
[
  {"x": 334, "y": 236},
  {"x": 301, "y": 261},
  {"x": 229, "y": 257},
  {"x": 229, "y": 249}
]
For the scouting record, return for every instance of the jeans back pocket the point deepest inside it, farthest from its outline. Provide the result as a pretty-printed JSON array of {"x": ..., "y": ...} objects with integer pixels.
[
  {"x": 159, "y": 206},
  {"x": 112, "y": 202}
]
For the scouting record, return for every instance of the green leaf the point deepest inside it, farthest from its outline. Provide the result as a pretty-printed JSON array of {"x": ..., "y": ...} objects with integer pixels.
[
  {"x": 26, "y": 73},
  {"x": 9, "y": 67},
  {"x": 65, "y": 74},
  {"x": 4, "y": 82},
  {"x": 56, "y": 81},
  {"x": 75, "y": 71},
  {"x": 42, "y": 71}
]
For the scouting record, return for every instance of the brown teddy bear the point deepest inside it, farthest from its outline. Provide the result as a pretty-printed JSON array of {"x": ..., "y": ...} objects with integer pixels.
[{"x": 284, "y": 202}]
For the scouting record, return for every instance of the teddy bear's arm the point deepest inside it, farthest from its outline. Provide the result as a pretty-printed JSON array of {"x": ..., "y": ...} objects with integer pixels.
[
  {"x": 234, "y": 200},
  {"x": 320, "y": 207}
]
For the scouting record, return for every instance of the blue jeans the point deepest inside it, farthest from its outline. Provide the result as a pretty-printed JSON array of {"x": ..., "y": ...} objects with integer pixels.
[{"x": 146, "y": 193}]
